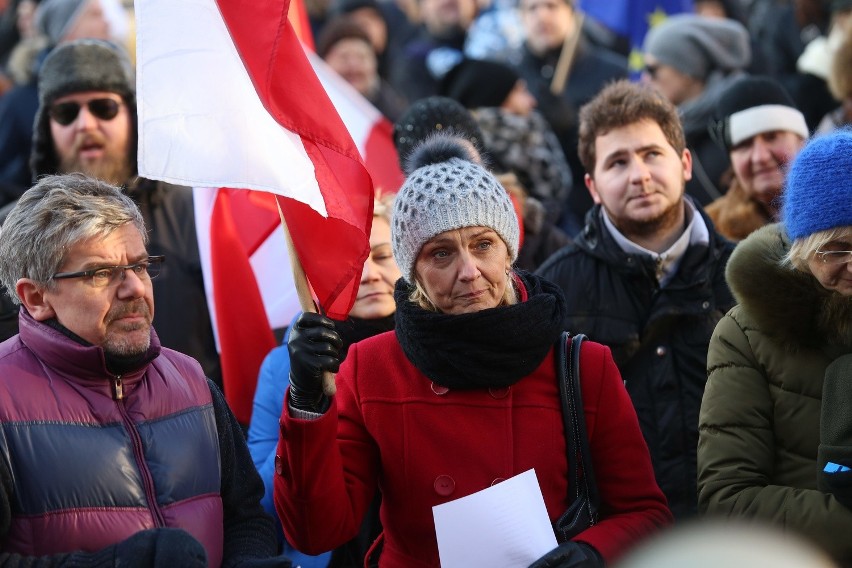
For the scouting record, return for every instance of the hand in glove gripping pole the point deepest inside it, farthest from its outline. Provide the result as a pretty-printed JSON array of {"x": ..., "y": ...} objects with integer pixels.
[{"x": 314, "y": 348}]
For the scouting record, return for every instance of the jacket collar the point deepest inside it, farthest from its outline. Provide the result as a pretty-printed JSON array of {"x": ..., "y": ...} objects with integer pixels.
[
  {"x": 74, "y": 360},
  {"x": 786, "y": 303},
  {"x": 598, "y": 242}
]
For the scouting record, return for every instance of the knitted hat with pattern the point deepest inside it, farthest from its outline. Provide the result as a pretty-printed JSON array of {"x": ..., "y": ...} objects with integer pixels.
[
  {"x": 818, "y": 196},
  {"x": 447, "y": 191}
]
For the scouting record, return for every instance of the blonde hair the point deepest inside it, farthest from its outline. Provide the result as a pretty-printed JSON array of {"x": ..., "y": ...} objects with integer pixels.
[
  {"x": 803, "y": 249},
  {"x": 418, "y": 295}
]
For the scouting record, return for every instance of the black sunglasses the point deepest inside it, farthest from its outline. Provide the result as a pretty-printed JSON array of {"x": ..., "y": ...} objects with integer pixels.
[{"x": 66, "y": 113}]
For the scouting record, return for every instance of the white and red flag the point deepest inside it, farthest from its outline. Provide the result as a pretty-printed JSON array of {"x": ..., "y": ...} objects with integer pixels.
[{"x": 227, "y": 98}]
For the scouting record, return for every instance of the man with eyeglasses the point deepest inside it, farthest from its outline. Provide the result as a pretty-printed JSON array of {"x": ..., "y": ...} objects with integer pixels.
[
  {"x": 86, "y": 122},
  {"x": 116, "y": 450}
]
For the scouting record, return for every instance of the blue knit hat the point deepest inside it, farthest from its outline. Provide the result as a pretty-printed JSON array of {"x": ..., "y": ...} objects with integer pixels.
[{"x": 818, "y": 195}]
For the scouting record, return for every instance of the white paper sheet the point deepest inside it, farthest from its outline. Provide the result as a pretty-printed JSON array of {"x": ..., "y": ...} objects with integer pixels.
[{"x": 503, "y": 526}]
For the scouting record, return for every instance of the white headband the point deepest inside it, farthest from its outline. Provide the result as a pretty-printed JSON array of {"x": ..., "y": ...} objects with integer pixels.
[{"x": 765, "y": 118}]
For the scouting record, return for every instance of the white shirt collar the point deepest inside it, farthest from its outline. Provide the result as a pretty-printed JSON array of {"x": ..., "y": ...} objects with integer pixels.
[{"x": 667, "y": 263}]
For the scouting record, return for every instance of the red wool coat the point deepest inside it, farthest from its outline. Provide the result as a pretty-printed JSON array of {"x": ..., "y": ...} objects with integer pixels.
[{"x": 390, "y": 427}]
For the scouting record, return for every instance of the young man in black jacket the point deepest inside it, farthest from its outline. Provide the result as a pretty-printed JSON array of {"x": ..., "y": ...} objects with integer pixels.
[{"x": 646, "y": 275}]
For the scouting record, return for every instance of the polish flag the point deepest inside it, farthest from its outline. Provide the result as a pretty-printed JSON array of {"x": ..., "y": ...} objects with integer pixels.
[{"x": 227, "y": 98}]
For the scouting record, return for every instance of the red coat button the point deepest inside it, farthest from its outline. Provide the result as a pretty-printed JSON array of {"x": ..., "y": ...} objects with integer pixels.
[
  {"x": 439, "y": 390},
  {"x": 499, "y": 393},
  {"x": 278, "y": 465},
  {"x": 444, "y": 485}
]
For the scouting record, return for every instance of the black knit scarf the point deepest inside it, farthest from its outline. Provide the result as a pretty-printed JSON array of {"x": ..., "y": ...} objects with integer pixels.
[
  {"x": 352, "y": 330},
  {"x": 495, "y": 347}
]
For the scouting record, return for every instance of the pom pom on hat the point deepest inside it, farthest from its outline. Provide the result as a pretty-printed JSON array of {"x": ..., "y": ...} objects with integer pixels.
[
  {"x": 818, "y": 195},
  {"x": 447, "y": 191}
]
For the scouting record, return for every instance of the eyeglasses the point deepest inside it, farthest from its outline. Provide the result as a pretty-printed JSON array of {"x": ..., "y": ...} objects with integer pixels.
[
  {"x": 109, "y": 275},
  {"x": 66, "y": 113},
  {"x": 835, "y": 256}
]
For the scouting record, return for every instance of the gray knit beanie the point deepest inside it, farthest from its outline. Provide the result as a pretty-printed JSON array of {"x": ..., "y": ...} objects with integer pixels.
[
  {"x": 54, "y": 18},
  {"x": 74, "y": 67},
  {"x": 447, "y": 191},
  {"x": 696, "y": 46}
]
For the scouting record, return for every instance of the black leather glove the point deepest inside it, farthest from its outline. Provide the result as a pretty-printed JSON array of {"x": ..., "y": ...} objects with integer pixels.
[
  {"x": 570, "y": 555},
  {"x": 160, "y": 547},
  {"x": 314, "y": 347}
]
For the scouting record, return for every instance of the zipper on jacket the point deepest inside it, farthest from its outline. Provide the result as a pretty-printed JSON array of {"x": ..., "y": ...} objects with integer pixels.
[
  {"x": 117, "y": 388},
  {"x": 136, "y": 442}
]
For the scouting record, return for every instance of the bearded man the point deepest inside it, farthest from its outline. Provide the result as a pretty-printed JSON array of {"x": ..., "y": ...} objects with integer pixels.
[
  {"x": 86, "y": 123},
  {"x": 646, "y": 276}
]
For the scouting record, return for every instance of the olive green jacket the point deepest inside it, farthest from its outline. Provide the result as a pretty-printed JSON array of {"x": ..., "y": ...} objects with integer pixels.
[{"x": 760, "y": 415}]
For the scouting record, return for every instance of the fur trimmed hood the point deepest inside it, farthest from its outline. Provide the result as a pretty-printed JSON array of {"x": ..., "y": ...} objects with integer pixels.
[{"x": 786, "y": 303}]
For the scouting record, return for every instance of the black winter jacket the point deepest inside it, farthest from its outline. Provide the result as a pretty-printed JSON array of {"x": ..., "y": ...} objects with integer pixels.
[{"x": 658, "y": 336}]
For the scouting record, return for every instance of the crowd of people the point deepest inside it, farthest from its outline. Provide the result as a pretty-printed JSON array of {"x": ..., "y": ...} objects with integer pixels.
[{"x": 684, "y": 203}]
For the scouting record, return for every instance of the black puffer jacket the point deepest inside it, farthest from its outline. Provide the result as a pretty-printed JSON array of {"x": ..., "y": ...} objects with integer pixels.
[{"x": 658, "y": 336}]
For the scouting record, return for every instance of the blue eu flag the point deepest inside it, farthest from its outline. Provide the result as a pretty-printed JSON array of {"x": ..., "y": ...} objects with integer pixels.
[{"x": 632, "y": 18}]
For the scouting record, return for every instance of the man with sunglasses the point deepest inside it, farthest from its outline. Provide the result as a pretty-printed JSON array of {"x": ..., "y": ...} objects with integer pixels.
[
  {"x": 116, "y": 450},
  {"x": 86, "y": 122}
]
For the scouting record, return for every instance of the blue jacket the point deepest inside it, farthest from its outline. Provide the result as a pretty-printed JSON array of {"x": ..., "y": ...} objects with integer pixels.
[{"x": 272, "y": 382}]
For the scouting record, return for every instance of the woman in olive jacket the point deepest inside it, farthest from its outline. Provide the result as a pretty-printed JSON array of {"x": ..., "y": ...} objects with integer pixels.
[{"x": 759, "y": 425}]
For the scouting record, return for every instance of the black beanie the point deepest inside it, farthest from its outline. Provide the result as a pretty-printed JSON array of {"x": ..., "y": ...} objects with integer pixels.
[
  {"x": 477, "y": 83},
  {"x": 429, "y": 116},
  {"x": 769, "y": 108}
]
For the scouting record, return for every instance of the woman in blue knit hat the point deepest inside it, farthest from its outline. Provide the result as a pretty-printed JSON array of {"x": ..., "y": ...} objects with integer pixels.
[{"x": 775, "y": 428}]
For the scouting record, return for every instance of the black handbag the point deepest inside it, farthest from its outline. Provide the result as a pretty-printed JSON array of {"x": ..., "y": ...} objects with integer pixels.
[{"x": 582, "y": 513}]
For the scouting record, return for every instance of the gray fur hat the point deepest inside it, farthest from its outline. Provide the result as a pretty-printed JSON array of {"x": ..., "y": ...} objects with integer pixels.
[
  {"x": 697, "y": 46},
  {"x": 74, "y": 67},
  {"x": 447, "y": 191}
]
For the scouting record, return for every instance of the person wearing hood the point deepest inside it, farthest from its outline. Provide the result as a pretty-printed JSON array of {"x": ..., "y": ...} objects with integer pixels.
[
  {"x": 691, "y": 59},
  {"x": 462, "y": 395},
  {"x": 774, "y": 443}
]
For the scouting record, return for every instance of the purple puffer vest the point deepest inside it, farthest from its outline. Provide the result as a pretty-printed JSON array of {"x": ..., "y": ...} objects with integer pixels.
[{"x": 96, "y": 457}]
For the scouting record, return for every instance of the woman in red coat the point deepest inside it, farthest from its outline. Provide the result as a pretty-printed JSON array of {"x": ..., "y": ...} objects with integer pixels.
[{"x": 462, "y": 395}]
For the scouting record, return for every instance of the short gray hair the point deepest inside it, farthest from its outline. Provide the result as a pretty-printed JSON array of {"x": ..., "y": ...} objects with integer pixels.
[{"x": 51, "y": 217}]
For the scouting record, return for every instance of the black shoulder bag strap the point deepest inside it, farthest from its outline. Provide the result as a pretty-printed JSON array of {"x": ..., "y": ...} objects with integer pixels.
[{"x": 582, "y": 513}]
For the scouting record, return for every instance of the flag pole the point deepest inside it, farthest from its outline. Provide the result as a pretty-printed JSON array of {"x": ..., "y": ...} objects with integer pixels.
[
  {"x": 566, "y": 56},
  {"x": 303, "y": 290}
]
